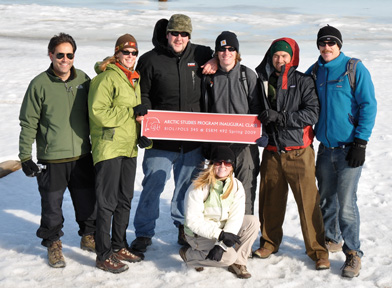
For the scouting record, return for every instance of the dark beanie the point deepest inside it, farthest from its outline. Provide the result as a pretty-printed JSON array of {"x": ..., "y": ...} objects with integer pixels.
[
  {"x": 329, "y": 33},
  {"x": 223, "y": 153},
  {"x": 125, "y": 41},
  {"x": 281, "y": 46},
  {"x": 227, "y": 38}
]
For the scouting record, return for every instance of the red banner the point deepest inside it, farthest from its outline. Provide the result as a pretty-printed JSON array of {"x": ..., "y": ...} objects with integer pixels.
[{"x": 203, "y": 127}]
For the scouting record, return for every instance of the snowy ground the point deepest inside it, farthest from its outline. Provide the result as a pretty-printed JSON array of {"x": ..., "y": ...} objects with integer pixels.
[{"x": 24, "y": 33}]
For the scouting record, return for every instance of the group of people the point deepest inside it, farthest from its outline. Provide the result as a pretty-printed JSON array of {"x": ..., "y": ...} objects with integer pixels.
[{"x": 87, "y": 135}]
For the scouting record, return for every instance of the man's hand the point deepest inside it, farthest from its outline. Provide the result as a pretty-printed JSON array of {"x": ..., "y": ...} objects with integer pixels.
[
  {"x": 30, "y": 168},
  {"x": 356, "y": 154},
  {"x": 144, "y": 142},
  {"x": 210, "y": 67},
  {"x": 140, "y": 110},
  {"x": 229, "y": 238},
  {"x": 270, "y": 116},
  {"x": 215, "y": 253}
]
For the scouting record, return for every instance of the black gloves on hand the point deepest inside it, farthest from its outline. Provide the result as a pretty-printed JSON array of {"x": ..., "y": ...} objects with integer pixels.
[
  {"x": 262, "y": 141},
  {"x": 356, "y": 154},
  {"x": 30, "y": 168},
  {"x": 229, "y": 238},
  {"x": 270, "y": 116},
  {"x": 140, "y": 110},
  {"x": 215, "y": 253},
  {"x": 144, "y": 142}
]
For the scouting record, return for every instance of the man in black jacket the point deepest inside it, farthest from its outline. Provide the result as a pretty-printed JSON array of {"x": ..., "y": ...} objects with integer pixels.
[
  {"x": 291, "y": 107},
  {"x": 170, "y": 80}
]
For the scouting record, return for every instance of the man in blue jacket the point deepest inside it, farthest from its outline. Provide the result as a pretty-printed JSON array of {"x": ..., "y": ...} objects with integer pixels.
[{"x": 347, "y": 117}]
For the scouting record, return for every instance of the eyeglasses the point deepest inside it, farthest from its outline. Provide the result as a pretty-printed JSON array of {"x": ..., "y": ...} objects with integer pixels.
[
  {"x": 125, "y": 52},
  {"x": 219, "y": 163},
  {"x": 70, "y": 56},
  {"x": 223, "y": 49},
  {"x": 329, "y": 43},
  {"x": 183, "y": 34}
]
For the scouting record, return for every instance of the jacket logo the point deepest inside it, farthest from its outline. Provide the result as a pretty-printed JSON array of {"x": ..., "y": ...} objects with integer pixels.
[
  {"x": 191, "y": 64},
  {"x": 79, "y": 86}
]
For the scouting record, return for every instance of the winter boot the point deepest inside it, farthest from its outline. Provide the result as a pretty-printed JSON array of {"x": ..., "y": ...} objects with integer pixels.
[
  {"x": 352, "y": 265},
  {"x": 55, "y": 255},
  {"x": 112, "y": 264},
  {"x": 87, "y": 243}
]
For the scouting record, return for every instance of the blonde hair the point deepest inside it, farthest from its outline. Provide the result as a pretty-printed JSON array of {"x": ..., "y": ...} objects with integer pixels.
[
  {"x": 109, "y": 60},
  {"x": 207, "y": 178}
]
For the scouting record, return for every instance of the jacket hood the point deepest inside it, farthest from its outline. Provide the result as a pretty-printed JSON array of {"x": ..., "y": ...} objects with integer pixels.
[
  {"x": 159, "y": 35},
  {"x": 265, "y": 68}
]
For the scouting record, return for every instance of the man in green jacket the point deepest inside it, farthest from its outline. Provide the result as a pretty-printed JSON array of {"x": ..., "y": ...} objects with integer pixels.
[{"x": 54, "y": 114}]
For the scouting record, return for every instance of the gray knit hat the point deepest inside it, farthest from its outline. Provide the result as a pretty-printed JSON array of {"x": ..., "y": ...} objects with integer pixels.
[{"x": 179, "y": 23}]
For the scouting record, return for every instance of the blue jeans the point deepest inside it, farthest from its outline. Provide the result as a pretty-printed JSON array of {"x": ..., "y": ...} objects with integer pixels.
[
  {"x": 157, "y": 166},
  {"x": 338, "y": 183}
]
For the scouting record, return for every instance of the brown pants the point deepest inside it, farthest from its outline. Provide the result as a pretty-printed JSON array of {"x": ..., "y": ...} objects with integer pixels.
[
  {"x": 297, "y": 169},
  {"x": 200, "y": 247}
]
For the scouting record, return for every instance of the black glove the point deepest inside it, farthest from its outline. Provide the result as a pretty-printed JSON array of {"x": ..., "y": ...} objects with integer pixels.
[
  {"x": 140, "y": 110},
  {"x": 144, "y": 142},
  {"x": 215, "y": 253},
  {"x": 270, "y": 116},
  {"x": 356, "y": 154},
  {"x": 262, "y": 141},
  {"x": 229, "y": 238},
  {"x": 30, "y": 168}
]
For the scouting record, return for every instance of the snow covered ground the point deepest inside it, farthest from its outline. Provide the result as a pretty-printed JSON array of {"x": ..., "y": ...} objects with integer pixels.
[{"x": 24, "y": 34}]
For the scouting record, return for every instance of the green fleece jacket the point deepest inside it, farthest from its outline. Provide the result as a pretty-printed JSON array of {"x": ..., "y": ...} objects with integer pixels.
[
  {"x": 113, "y": 127},
  {"x": 54, "y": 113}
]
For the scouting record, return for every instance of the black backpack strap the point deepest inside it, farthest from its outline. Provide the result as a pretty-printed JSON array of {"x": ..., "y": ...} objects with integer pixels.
[
  {"x": 244, "y": 79},
  {"x": 206, "y": 93},
  {"x": 314, "y": 71}
]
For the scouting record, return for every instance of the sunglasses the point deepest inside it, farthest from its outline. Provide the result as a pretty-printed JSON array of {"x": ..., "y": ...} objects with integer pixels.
[
  {"x": 323, "y": 44},
  {"x": 70, "y": 56},
  {"x": 223, "y": 49},
  {"x": 219, "y": 163},
  {"x": 183, "y": 34},
  {"x": 125, "y": 52}
]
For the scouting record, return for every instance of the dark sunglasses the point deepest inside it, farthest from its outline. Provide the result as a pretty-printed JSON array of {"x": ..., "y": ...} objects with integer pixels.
[
  {"x": 219, "y": 163},
  {"x": 125, "y": 52},
  {"x": 70, "y": 56},
  {"x": 223, "y": 49},
  {"x": 183, "y": 34},
  {"x": 329, "y": 43}
]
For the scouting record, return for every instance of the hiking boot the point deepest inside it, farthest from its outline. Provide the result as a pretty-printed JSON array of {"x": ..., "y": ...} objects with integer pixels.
[
  {"x": 352, "y": 265},
  {"x": 55, "y": 255},
  {"x": 87, "y": 243},
  {"x": 181, "y": 236},
  {"x": 240, "y": 271},
  {"x": 141, "y": 243},
  {"x": 322, "y": 264},
  {"x": 125, "y": 255},
  {"x": 263, "y": 253},
  {"x": 333, "y": 246},
  {"x": 112, "y": 264},
  {"x": 182, "y": 253}
]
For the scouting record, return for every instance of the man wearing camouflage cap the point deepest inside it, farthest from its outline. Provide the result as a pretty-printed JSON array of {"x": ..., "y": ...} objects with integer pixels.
[{"x": 170, "y": 80}]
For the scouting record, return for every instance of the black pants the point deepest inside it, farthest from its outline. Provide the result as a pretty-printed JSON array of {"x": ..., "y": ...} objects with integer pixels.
[
  {"x": 115, "y": 179},
  {"x": 78, "y": 177}
]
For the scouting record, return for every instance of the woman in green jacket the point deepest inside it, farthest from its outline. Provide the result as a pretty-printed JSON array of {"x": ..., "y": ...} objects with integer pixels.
[{"x": 115, "y": 113}]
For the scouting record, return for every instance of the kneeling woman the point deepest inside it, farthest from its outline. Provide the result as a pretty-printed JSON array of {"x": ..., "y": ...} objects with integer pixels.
[{"x": 218, "y": 232}]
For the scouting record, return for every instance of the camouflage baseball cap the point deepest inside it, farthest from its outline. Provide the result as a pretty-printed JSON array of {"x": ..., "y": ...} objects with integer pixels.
[{"x": 180, "y": 23}]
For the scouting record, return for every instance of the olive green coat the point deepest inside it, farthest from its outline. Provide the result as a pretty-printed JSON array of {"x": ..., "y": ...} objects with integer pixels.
[{"x": 113, "y": 127}]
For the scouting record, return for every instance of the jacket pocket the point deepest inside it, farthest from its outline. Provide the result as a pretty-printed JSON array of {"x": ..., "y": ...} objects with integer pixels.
[{"x": 108, "y": 133}]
